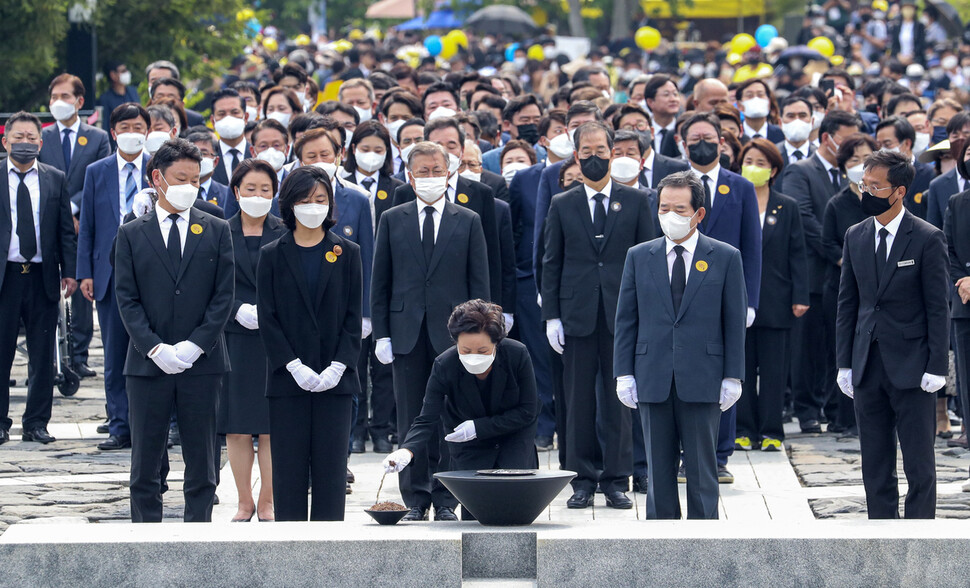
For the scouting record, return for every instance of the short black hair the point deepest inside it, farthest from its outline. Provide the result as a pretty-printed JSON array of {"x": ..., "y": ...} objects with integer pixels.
[
  {"x": 590, "y": 127},
  {"x": 492, "y": 101},
  {"x": 244, "y": 86},
  {"x": 440, "y": 87},
  {"x": 411, "y": 122},
  {"x": 584, "y": 73},
  {"x": 487, "y": 123},
  {"x": 24, "y": 116},
  {"x": 444, "y": 123},
  {"x": 900, "y": 99},
  {"x": 128, "y": 111},
  {"x": 170, "y": 152},
  {"x": 699, "y": 117},
  {"x": 902, "y": 128},
  {"x": 654, "y": 85},
  {"x": 381, "y": 81},
  {"x": 624, "y": 136},
  {"x": 371, "y": 128},
  {"x": 583, "y": 107},
  {"x": 231, "y": 93},
  {"x": 168, "y": 82},
  {"x": 684, "y": 179},
  {"x": 836, "y": 119},
  {"x": 303, "y": 122},
  {"x": 251, "y": 165},
  {"x": 272, "y": 124},
  {"x": 477, "y": 316},
  {"x": 291, "y": 70},
  {"x": 795, "y": 100},
  {"x": 409, "y": 100},
  {"x": 518, "y": 103},
  {"x": 899, "y": 171},
  {"x": 205, "y": 136},
  {"x": 298, "y": 185},
  {"x": 850, "y": 144},
  {"x": 331, "y": 106},
  {"x": 959, "y": 120}
]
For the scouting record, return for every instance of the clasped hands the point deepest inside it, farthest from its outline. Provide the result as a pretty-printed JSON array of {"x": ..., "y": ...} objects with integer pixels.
[{"x": 311, "y": 381}]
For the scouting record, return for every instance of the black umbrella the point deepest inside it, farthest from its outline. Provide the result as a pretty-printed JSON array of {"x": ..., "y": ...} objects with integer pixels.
[
  {"x": 502, "y": 19},
  {"x": 948, "y": 17},
  {"x": 802, "y": 52}
]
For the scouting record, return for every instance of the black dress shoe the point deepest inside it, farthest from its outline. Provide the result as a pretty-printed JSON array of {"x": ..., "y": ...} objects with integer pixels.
[
  {"x": 103, "y": 429},
  {"x": 38, "y": 435},
  {"x": 417, "y": 514},
  {"x": 394, "y": 439},
  {"x": 382, "y": 445},
  {"x": 724, "y": 476},
  {"x": 544, "y": 443},
  {"x": 350, "y": 477},
  {"x": 357, "y": 446},
  {"x": 640, "y": 484},
  {"x": 84, "y": 371},
  {"x": 349, "y": 489},
  {"x": 215, "y": 499},
  {"x": 4, "y": 436},
  {"x": 811, "y": 426},
  {"x": 617, "y": 499},
  {"x": 115, "y": 442},
  {"x": 835, "y": 428},
  {"x": 580, "y": 499},
  {"x": 445, "y": 513}
]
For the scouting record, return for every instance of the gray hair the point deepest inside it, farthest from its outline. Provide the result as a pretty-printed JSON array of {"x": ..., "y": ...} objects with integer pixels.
[
  {"x": 164, "y": 64},
  {"x": 427, "y": 148},
  {"x": 684, "y": 179},
  {"x": 162, "y": 112},
  {"x": 588, "y": 128}
]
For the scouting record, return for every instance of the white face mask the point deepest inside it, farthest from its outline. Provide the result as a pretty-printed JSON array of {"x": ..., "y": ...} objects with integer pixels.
[
  {"x": 281, "y": 117},
  {"x": 470, "y": 175},
  {"x": 406, "y": 152},
  {"x": 230, "y": 127},
  {"x": 312, "y": 215},
  {"x": 561, "y": 145},
  {"x": 756, "y": 107},
  {"x": 393, "y": 128},
  {"x": 330, "y": 168},
  {"x": 509, "y": 171},
  {"x": 364, "y": 114},
  {"x": 855, "y": 173},
  {"x": 429, "y": 190},
  {"x": 62, "y": 111},
  {"x": 252, "y": 112},
  {"x": 921, "y": 144},
  {"x": 307, "y": 103},
  {"x": 206, "y": 167},
  {"x": 676, "y": 227},
  {"x": 154, "y": 141},
  {"x": 256, "y": 206},
  {"x": 817, "y": 119},
  {"x": 125, "y": 78},
  {"x": 370, "y": 161},
  {"x": 797, "y": 131},
  {"x": 625, "y": 169},
  {"x": 180, "y": 196},
  {"x": 274, "y": 157},
  {"x": 131, "y": 143},
  {"x": 453, "y": 164},
  {"x": 476, "y": 363},
  {"x": 440, "y": 112}
]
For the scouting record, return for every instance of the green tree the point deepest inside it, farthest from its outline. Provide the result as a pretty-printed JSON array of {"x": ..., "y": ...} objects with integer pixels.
[{"x": 32, "y": 31}]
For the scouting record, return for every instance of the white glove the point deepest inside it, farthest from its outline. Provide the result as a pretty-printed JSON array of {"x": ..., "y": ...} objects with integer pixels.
[
  {"x": 730, "y": 392},
  {"x": 509, "y": 321},
  {"x": 188, "y": 351},
  {"x": 463, "y": 432},
  {"x": 142, "y": 202},
  {"x": 931, "y": 383},
  {"x": 626, "y": 391},
  {"x": 330, "y": 377},
  {"x": 366, "y": 328},
  {"x": 397, "y": 461},
  {"x": 166, "y": 358},
  {"x": 247, "y": 316},
  {"x": 750, "y": 319},
  {"x": 539, "y": 300},
  {"x": 304, "y": 377},
  {"x": 844, "y": 380},
  {"x": 384, "y": 351},
  {"x": 555, "y": 335}
]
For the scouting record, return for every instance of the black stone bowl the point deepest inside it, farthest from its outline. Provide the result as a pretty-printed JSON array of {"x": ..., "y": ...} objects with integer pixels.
[
  {"x": 505, "y": 500},
  {"x": 386, "y": 517}
]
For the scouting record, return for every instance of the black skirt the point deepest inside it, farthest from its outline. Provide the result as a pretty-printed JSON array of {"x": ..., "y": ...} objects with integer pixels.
[{"x": 243, "y": 407}]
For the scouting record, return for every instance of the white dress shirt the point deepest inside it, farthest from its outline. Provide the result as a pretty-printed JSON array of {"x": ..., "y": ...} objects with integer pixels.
[
  {"x": 225, "y": 148},
  {"x": 73, "y": 135},
  {"x": 893, "y": 228},
  {"x": 590, "y": 193},
  {"x": 751, "y": 132},
  {"x": 906, "y": 38},
  {"x": 165, "y": 224},
  {"x": 713, "y": 175},
  {"x": 657, "y": 137},
  {"x": 371, "y": 196},
  {"x": 123, "y": 178},
  {"x": 648, "y": 167},
  {"x": 439, "y": 209},
  {"x": 690, "y": 245},
  {"x": 791, "y": 149},
  {"x": 452, "y": 192},
  {"x": 33, "y": 185}
]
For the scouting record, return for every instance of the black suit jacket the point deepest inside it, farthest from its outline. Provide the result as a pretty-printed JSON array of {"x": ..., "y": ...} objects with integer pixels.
[
  {"x": 273, "y": 229},
  {"x": 220, "y": 174},
  {"x": 842, "y": 211},
  {"x": 919, "y": 40},
  {"x": 917, "y": 197},
  {"x": 779, "y": 184},
  {"x": 160, "y": 303},
  {"x": 318, "y": 330},
  {"x": 955, "y": 228},
  {"x": 386, "y": 187},
  {"x": 500, "y": 189},
  {"x": 58, "y": 243},
  {"x": 906, "y": 311},
  {"x": 668, "y": 147},
  {"x": 784, "y": 267},
  {"x": 811, "y": 186},
  {"x": 662, "y": 167},
  {"x": 941, "y": 188},
  {"x": 406, "y": 292},
  {"x": 481, "y": 200},
  {"x": 95, "y": 145},
  {"x": 577, "y": 267},
  {"x": 507, "y": 242}
]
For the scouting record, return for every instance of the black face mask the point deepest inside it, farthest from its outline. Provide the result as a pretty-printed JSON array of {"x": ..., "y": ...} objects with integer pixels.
[
  {"x": 873, "y": 108},
  {"x": 575, "y": 184},
  {"x": 725, "y": 161},
  {"x": 703, "y": 152},
  {"x": 873, "y": 206},
  {"x": 594, "y": 168},
  {"x": 646, "y": 137},
  {"x": 939, "y": 134},
  {"x": 24, "y": 153},
  {"x": 528, "y": 133},
  {"x": 966, "y": 166}
]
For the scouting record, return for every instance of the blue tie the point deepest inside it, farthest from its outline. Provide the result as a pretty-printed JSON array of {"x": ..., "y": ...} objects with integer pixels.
[
  {"x": 66, "y": 147},
  {"x": 131, "y": 187}
]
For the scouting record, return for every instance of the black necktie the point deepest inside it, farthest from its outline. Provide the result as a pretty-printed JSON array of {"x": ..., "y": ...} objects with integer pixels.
[
  {"x": 663, "y": 136},
  {"x": 201, "y": 193},
  {"x": 708, "y": 204},
  {"x": 66, "y": 146},
  {"x": 881, "y": 253},
  {"x": 367, "y": 183},
  {"x": 174, "y": 242},
  {"x": 427, "y": 237},
  {"x": 599, "y": 215},
  {"x": 25, "y": 219},
  {"x": 235, "y": 160},
  {"x": 678, "y": 278},
  {"x": 756, "y": 136},
  {"x": 797, "y": 155},
  {"x": 835, "y": 178}
]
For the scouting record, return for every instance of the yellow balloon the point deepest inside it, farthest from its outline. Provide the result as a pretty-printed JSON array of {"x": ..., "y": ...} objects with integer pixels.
[
  {"x": 355, "y": 35},
  {"x": 823, "y": 45},
  {"x": 536, "y": 53},
  {"x": 270, "y": 44},
  {"x": 733, "y": 58},
  {"x": 837, "y": 60},
  {"x": 448, "y": 48},
  {"x": 459, "y": 37},
  {"x": 245, "y": 14},
  {"x": 302, "y": 40},
  {"x": 742, "y": 43},
  {"x": 343, "y": 45},
  {"x": 647, "y": 38}
]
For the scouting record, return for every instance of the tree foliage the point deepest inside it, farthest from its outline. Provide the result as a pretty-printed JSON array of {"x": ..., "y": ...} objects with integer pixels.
[{"x": 32, "y": 31}]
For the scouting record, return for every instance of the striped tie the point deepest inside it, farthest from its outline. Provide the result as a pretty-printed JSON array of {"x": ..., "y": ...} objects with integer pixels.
[{"x": 131, "y": 187}]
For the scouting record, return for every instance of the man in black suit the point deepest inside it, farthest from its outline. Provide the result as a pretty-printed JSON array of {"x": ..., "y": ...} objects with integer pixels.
[
  {"x": 70, "y": 146},
  {"x": 587, "y": 235},
  {"x": 892, "y": 338},
  {"x": 37, "y": 231},
  {"x": 812, "y": 182},
  {"x": 430, "y": 256},
  {"x": 897, "y": 134},
  {"x": 229, "y": 119},
  {"x": 663, "y": 99},
  {"x": 174, "y": 286}
]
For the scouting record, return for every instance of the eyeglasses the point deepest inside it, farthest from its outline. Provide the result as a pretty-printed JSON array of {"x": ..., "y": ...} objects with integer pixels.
[
  {"x": 639, "y": 126},
  {"x": 872, "y": 190}
]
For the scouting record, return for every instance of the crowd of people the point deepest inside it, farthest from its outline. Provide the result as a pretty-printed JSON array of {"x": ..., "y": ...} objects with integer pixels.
[{"x": 647, "y": 261}]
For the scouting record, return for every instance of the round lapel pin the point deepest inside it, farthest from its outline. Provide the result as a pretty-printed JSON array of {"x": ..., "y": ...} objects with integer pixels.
[
  {"x": 337, "y": 249},
  {"x": 701, "y": 265},
  {"x": 196, "y": 229},
  {"x": 463, "y": 198},
  {"x": 348, "y": 230},
  {"x": 616, "y": 206},
  {"x": 331, "y": 256},
  {"x": 771, "y": 219},
  {"x": 723, "y": 189},
  {"x": 381, "y": 195},
  {"x": 82, "y": 141}
]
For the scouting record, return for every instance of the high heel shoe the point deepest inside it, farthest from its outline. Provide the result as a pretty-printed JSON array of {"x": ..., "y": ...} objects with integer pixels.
[{"x": 246, "y": 520}]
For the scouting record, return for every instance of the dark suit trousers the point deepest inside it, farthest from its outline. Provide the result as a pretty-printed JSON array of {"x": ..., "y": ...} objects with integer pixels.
[
  {"x": 813, "y": 361},
  {"x": 82, "y": 326},
  {"x": 883, "y": 413},
  {"x": 532, "y": 333},
  {"x": 559, "y": 400},
  {"x": 411, "y": 373},
  {"x": 585, "y": 358},
  {"x": 961, "y": 351},
  {"x": 114, "y": 339},
  {"x": 765, "y": 378},
  {"x": 845, "y": 409},
  {"x": 376, "y": 425},
  {"x": 22, "y": 297},
  {"x": 310, "y": 433},
  {"x": 151, "y": 400},
  {"x": 668, "y": 426}
]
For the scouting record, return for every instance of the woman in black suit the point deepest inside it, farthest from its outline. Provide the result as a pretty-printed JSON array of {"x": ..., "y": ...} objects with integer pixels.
[
  {"x": 842, "y": 211},
  {"x": 310, "y": 292},
  {"x": 243, "y": 408},
  {"x": 483, "y": 392},
  {"x": 784, "y": 274}
]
